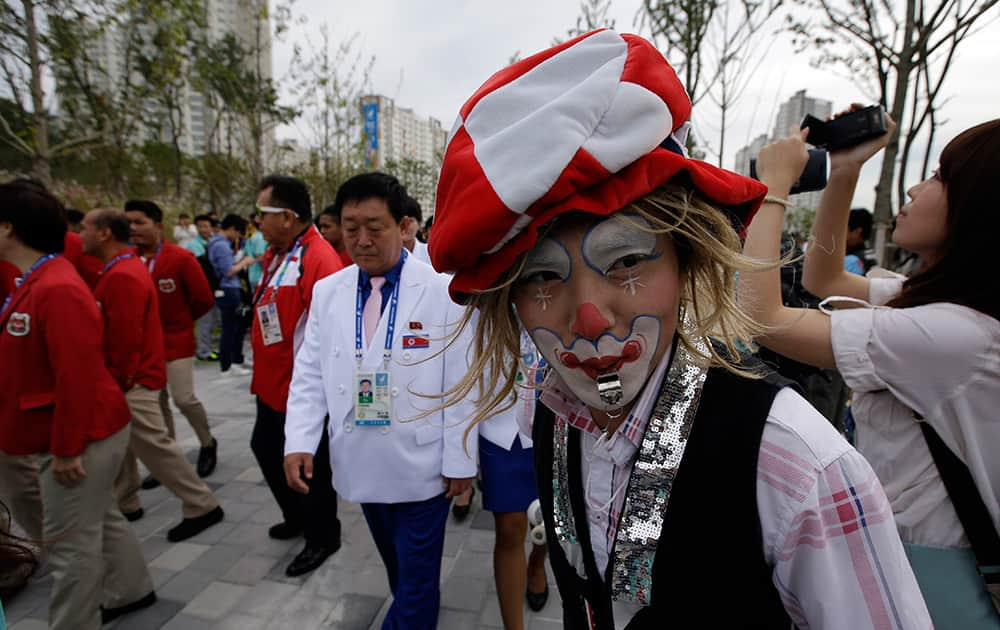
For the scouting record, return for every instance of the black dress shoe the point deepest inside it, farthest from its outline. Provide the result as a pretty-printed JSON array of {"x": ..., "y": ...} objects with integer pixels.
[
  {"x": 207, "y": 459},
  {"x": 134, "y": 516},
  {"x": 193, "y": 526},
  {"x": 536, "y": 601},
  {"x": 285, "y": 531},
  {"x": 310, "y": 558},
  {"x": 110, "y": 614},
  {"x": 462, "y": 511},
  {"x": 149, "y": 483}
]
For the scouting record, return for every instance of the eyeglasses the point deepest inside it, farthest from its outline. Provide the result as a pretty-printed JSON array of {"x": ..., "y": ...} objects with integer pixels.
[{"x": 262, "y": 210}]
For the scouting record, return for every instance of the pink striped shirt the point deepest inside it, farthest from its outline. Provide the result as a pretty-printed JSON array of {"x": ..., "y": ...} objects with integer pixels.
[{"x": 827, "y": 526}]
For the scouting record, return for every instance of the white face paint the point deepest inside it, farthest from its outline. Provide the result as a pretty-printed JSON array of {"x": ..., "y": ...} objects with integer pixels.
[
  {"x": 569, "y": 298},
  {"x": 580, "y": 363}
]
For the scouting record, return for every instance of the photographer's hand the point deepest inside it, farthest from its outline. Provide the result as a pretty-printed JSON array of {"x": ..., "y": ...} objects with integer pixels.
[
  {"x": 852, "y": 158},
  {"x": 780, "y": 164}
]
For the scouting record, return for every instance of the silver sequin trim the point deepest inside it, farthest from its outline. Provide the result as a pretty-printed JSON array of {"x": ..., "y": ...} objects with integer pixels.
[
  {"x": 561, "y": 508},
  {"x": 653, "y": 476}
]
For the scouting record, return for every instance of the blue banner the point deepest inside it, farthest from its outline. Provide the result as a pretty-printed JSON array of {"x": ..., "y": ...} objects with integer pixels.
[{"x": 370, "y": 112}]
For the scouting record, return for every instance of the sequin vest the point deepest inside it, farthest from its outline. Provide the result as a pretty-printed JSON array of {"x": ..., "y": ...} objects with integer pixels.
[{"x": 708, "y": 568}]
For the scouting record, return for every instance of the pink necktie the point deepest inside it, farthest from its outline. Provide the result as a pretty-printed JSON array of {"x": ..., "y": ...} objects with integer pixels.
[{"x": 373, "y": 309}]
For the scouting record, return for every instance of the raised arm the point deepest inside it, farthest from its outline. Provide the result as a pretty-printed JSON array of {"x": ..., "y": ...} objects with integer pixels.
[
  {"x": 823, "y": 273},
  {"x": 797, "y": 333}
]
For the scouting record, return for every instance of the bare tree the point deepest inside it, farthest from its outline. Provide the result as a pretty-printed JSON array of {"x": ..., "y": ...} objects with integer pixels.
[
  {"x": 884, "y": 45},
  {"x": 737, "y": 50},
  {"x": 593, "y": 15},
  {"x": 331, "y": 79}
]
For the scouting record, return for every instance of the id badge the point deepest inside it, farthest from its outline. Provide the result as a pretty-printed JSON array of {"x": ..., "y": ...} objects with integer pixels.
[
  {"x": 372, "y": 406},
  {"x": 270, "y": 324}
]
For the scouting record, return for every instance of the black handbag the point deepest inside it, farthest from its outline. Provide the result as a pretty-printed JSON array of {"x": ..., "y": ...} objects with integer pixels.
[{"x": 971, "y": 510}]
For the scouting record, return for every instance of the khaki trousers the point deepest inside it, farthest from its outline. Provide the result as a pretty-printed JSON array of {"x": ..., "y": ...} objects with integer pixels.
[
  {"x": 20, "y": 492},
  {"x": 94, "y": 555},
  {"x": 161, "y": 455},
  {"x": 180, "y": 381}
]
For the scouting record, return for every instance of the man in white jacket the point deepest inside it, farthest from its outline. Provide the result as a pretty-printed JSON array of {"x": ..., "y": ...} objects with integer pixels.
[{"x": 391, "y": 449}]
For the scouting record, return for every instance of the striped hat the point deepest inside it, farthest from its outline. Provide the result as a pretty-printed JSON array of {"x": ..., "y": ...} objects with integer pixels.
[{"x": 589, "y": 125}]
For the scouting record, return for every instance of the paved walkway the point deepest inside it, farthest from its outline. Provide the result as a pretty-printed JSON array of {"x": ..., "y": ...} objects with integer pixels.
[{"x": 232, "y": 575}]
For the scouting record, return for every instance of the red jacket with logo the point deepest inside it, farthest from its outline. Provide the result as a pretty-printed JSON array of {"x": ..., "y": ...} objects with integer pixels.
[
  {"x": 184, "y": 296},
  {"x": 133, "y": 334},
  {"x": 272, "y": 365},
  {"x": 56, "y": 395}
]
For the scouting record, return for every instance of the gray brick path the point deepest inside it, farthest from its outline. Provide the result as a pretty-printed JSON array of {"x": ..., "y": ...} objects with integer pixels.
[{"x": 232, "y": 575}]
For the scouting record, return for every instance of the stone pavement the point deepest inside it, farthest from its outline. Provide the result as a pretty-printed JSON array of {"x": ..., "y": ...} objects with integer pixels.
[{"x": 232, "y": 576}]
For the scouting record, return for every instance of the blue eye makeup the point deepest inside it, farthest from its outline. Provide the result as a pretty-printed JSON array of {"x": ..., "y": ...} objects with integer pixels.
[{"x": 619, "y": 244}]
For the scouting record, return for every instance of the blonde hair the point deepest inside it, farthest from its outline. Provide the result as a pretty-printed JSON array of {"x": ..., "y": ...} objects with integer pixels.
[{"x": 709, "y": 255}]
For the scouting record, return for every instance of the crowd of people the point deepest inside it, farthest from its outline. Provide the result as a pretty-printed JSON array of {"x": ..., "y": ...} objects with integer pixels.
[{"x": 584, "y": 334}]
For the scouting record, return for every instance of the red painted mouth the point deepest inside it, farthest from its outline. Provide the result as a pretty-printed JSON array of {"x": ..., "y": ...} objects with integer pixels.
[{"x": 596, "y": 366}]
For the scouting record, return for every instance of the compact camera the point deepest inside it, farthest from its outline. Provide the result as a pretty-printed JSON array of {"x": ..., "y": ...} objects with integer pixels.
[{"x": 846, "y": 131}]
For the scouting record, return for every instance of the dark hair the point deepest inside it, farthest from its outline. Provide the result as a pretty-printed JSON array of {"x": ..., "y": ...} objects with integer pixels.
[
  {"x": 365, "y": 380},
  {"x": 860, "y": 218},
  {"x": 412, "y": 210},
  {"x": 38, "y": 219},
  {"x": 73, "y": 216},
  {"x": 968, "y": 168},
  {"x": 115, "y": 220},
  {"x": 184, "y": 215},
  {"x": 374, "y": 185},
  {"x": 205, "y": 217},
  {"x": 234, "y": 221},
  {"x": 289, "y": 192},
  {"x": 148, "y": 208}
]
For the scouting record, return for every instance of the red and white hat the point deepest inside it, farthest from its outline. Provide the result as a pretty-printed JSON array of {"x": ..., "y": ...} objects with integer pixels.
[{"x": 589, "y": 125}]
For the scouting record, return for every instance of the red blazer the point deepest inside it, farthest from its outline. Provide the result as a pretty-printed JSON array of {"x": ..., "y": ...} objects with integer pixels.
[
  {"x": 8, "y": 273},
  {"x": 133, "y": 334},
  {"x": 184, "y": 296},
  {"x": 89, "y": 267},
  {"x": 56, "y": 395},
  {"x": 272, "y": 365}
]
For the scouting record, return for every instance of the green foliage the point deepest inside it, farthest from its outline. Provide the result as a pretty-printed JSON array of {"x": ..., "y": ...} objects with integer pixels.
[{"x": 420, "y": 178}]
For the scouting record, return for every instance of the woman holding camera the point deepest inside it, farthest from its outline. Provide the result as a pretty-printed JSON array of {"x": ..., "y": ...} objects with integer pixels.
[{"x": 922, "y": 356}]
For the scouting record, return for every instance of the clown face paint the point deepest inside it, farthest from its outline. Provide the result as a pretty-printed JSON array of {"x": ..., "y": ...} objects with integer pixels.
[{"x": 586, "y": 328}]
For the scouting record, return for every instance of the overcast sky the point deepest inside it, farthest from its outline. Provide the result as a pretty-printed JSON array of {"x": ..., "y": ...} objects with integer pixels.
[{"x": 432, "y": 55}]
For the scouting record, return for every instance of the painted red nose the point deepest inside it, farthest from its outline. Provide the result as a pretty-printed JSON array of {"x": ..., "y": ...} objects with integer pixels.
[{"x": 589, "y": 321}]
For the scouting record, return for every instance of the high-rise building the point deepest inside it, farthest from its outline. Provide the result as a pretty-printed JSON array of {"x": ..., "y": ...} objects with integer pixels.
[
  {"x": 795, "y": 109},
  {"x": 395, "y": 134},
  {"x": 790, "y": 113},
  {"x": 245, "y": 19}
]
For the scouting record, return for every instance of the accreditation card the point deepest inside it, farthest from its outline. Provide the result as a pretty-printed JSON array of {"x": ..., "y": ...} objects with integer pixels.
[{"x": 372, "y": 404}]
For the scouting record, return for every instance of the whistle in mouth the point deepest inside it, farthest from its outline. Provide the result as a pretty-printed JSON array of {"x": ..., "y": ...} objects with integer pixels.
[{"x": 609, "y": 387}]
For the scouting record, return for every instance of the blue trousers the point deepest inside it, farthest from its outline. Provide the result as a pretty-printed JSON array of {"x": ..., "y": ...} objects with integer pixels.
[{"x": 410, "y": 539}]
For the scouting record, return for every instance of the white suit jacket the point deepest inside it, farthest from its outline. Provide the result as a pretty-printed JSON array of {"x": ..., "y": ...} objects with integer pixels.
[{"x": 406, "y": 461}]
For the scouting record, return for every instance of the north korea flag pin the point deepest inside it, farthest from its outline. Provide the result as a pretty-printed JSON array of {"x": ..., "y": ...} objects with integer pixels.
[{"x": 416, "y": 326}]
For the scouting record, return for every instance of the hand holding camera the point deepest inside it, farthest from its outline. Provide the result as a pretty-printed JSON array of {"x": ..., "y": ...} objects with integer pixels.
[{"x": 853, "y": 136}]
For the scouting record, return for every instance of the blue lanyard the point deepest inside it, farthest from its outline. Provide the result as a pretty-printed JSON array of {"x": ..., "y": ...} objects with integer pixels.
[
  {"x": 266, "y": 287},
  {"x": 390, "y": 327},
  {"x": 114, "y": 261},
  {"x": 19, "y": 282},
  {"x": 156, "y": 256}
]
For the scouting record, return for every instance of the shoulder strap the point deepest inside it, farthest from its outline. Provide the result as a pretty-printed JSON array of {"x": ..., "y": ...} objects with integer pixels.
[{"x": 972, "y": 512}]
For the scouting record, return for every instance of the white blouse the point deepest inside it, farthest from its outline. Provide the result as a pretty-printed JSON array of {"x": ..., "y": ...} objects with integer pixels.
[{"x": 941, "y": 361}]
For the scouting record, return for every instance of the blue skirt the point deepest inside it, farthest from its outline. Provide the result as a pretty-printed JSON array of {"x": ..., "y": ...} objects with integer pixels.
[{"x": 508, "y": 476}]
